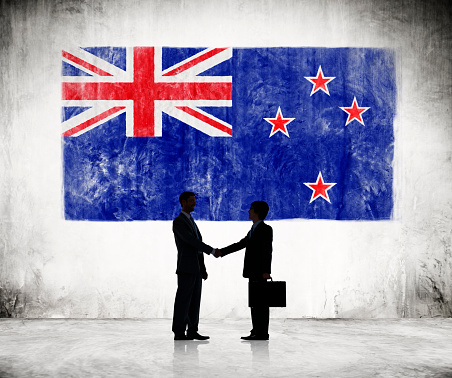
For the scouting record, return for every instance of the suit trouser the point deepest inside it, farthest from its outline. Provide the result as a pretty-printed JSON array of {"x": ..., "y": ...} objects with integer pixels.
[
  {"x": 187, "y": 303},
  {"x": 260, "y": 317}
]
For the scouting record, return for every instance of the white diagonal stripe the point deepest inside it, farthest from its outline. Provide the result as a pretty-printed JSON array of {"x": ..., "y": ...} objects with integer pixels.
[{"x": 118, "y": 73}]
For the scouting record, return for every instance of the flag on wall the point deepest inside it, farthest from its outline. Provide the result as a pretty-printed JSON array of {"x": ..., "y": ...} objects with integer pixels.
[{"x": 309, "y": 130}]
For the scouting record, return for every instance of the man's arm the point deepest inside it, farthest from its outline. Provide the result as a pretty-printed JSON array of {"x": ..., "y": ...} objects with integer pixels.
[
  {"x": 266, "y": 251},
  {"x": 183, "y": 231},
  {"x": 234, "y": 247}
]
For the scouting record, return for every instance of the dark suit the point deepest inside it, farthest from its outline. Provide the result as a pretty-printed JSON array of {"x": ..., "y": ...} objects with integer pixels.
[
  {"x": 258, "y": 259},
  {"x": 190, "y": 270}
]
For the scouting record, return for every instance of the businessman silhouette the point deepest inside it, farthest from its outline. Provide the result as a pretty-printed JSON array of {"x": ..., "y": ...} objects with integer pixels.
[
  {"x": 190, "y": 271},
  {"x": 257, "y": 264}
]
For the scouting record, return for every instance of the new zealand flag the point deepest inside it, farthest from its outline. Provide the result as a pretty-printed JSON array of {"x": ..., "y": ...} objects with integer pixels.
[{"x": 308, "y": 130}]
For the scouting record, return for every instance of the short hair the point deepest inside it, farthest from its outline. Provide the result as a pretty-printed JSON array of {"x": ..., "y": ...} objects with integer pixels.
[
  {"x": 185, "y": 196},
  {"x": 261, "y": 208}
]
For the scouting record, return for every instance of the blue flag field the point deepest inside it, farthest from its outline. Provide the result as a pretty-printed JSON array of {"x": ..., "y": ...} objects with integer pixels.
[{"x": 308, "y": 130}]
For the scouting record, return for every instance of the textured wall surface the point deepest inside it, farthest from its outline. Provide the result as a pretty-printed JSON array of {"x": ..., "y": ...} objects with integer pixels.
[{"x": 50, "y": 267}]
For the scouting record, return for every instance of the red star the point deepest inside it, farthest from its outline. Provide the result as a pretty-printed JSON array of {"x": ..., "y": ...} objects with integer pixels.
[
  {"x": 319, "y": 188},
  {"x": 320, "y": 82},
  {"x": 279, "y": 123},
  {"x": 354, "y": 112}
]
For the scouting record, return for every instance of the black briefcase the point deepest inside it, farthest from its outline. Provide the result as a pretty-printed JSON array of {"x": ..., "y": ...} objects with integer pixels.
[{"x": 267, "y": 293}]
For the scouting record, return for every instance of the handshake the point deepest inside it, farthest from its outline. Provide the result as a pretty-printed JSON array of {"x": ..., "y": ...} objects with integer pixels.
[{"x": 217, "y": 252}]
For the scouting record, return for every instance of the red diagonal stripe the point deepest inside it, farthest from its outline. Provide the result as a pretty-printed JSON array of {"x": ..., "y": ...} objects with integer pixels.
[
  {"x": 93, "y": 120},
  {"x": 205, "y": 119},
  {"x": 87, "y": 65},
  {"x": 194, "y": 62}
]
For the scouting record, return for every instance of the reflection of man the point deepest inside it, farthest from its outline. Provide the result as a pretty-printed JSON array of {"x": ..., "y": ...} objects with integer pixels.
[
  {"x": 190, "y": 271},
  {"x": 257, "y": 265}
]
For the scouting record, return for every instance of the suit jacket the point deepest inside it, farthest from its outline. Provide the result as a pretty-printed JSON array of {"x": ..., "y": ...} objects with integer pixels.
[
  {"x": 258, "y": 252},
  {"x": 188, "y": 259}
]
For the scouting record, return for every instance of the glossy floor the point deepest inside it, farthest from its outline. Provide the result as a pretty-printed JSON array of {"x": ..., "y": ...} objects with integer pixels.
[{"x": 297, "y": 348}]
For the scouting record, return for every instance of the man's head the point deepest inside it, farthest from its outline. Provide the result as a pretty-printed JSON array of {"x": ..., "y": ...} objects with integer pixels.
[
  {"x": 258, "y": 210},
  {"x": 187, "y": 201}
]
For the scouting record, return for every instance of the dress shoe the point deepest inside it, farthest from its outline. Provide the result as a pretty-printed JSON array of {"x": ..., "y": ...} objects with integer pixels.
[
  {"x": 255, "y": 337},
  {"x": 180, "y": 337},
  {"x": 196, "y": 336},
  {"x": 245, "y": 337}
]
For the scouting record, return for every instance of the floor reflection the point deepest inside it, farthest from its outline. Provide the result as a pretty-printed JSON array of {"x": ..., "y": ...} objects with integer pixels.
[
  {"x": 186, "y": 356},
  {"x": 259, "y": 352}
]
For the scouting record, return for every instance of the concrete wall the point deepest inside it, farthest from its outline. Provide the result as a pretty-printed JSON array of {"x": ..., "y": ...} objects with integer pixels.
[{"x": 50, "y": 267}]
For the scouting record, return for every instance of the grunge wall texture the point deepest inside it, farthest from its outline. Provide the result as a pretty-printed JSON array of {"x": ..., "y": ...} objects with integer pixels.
[{"x": 50, "y": 267}]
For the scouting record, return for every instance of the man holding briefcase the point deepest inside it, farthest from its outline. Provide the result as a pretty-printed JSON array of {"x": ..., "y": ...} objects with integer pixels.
[{"x": 257, "y": 264}]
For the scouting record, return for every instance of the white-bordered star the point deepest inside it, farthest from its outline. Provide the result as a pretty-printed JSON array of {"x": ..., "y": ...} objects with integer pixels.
[
  {"x": 320, "y": 82},
  {"x": 320, "y": 188},
  {"x": 279, "y": 123},
  {"x": 354, "y": 112}
]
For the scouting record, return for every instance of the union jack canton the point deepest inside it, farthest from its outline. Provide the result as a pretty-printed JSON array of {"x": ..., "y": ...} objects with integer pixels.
[{"x": 105, "y": 87}]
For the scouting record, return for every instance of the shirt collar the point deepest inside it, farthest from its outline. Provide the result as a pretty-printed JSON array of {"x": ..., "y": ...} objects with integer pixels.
[
  {"x": 255, "y": 224},
  {"x": 186, "y": 214}
]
